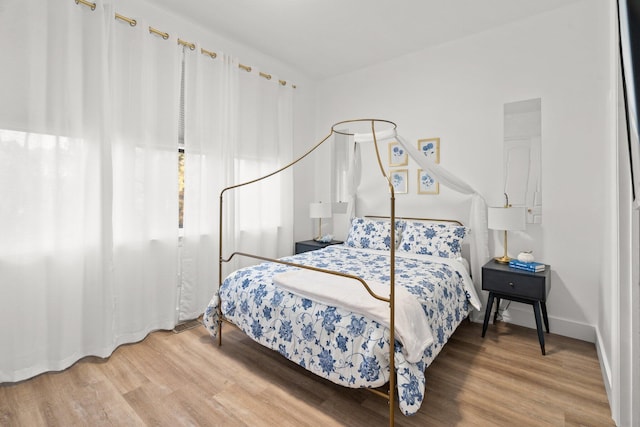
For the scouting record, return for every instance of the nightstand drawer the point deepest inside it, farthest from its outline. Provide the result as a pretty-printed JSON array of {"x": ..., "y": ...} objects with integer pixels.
[{"x": 523, "y": 285}]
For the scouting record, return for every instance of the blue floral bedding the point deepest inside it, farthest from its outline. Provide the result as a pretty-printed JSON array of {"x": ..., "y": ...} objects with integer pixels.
[{"x": 336, "y": 344}]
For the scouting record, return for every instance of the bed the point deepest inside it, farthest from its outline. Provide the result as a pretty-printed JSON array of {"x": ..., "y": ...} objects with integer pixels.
[
  {"x": 349, "y": 343},
  {"x": 376, "y": 310}
]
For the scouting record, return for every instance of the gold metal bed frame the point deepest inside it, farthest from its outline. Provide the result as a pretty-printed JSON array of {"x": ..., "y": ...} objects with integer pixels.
[{"x": 390, "y": 395}]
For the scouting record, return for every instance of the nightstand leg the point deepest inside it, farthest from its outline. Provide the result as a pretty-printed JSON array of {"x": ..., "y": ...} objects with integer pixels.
[
  {"x": 544, "y": 315},
  {"x": 495, "y": 314},
  {"x": 536, "y": 313},
  {"x": 487, "y": 313}
]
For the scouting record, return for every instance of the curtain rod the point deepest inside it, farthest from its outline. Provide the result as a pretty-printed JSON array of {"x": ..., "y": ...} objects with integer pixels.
[{"x": 190, "y": 45}]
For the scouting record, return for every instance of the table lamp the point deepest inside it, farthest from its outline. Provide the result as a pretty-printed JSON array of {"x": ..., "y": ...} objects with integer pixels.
[
  {"x": 506, "y": 218},
  {"x": 319, "y": 210}
]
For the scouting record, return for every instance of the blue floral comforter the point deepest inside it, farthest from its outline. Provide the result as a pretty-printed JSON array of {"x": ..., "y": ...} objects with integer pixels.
[{"x": 336, "y": 344}]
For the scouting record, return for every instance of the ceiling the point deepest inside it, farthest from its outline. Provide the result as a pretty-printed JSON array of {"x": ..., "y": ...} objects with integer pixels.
[{"x": 325, "y": 38}]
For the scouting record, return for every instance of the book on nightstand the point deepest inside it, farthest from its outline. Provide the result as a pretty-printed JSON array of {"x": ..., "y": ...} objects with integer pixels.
[{"x": 534, "y": 267}]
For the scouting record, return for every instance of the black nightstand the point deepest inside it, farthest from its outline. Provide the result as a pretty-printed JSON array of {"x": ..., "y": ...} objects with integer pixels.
[
  {"x": 504, "y": 282},
  {"x": 312, "y": 245}
]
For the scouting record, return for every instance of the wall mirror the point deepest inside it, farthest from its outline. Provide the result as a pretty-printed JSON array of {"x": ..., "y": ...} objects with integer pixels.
[{"x": 522, "y": 159}]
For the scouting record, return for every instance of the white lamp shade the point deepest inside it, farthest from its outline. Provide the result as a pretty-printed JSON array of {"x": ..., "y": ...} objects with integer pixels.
[
  {"x": 320, "y": 210},
  {"x": 512, "y": 218}
]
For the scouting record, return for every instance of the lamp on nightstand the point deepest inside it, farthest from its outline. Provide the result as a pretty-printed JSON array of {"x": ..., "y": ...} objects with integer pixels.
[
  {"x": 506, "y": 218},
  {"x": 319, "y": 210}
]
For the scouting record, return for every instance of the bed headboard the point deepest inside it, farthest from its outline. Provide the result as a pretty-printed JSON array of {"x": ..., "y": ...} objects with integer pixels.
[{"x": 454, "y": 221}]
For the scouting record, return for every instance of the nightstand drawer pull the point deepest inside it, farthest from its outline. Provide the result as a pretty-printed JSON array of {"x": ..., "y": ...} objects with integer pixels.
[{"x": 516, "y": 283}]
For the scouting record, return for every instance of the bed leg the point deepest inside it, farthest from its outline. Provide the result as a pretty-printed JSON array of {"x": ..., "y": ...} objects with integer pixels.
[
  {"x": 392, "y": 405},
  {"x": 219, "y": 333}
]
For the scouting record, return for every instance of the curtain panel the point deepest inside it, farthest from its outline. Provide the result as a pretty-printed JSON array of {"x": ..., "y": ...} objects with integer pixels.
[
  {"x": 144, "y": 77},
  {"x": 238, "y": 127},
  {"x": 263, "y": 211},
  {"x": 56, "y": 265},
  {"x": 210, "y": 92}
]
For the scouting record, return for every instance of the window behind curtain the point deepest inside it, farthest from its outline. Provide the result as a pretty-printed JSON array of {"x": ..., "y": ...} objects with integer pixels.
[{"x": 181, "y": 147}]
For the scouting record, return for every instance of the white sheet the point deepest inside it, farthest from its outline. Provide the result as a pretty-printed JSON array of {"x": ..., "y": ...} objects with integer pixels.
[{"x": 411, "y": 323}]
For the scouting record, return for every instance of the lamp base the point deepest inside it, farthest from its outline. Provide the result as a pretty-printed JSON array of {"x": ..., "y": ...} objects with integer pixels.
[{"x": 502, "y": 259}]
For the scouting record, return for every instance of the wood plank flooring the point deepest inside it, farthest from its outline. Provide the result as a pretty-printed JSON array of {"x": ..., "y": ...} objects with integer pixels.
[{"x": 187, "y": 380}]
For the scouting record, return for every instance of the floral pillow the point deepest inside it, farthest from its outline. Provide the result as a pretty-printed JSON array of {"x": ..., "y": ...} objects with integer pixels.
[
  {"x": 442, "y": 240},
  {"x": 372, "y": 234}
]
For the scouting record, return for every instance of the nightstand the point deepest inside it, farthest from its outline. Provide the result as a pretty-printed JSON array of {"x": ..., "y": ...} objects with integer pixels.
[
  {"x": 504, "y": 282},
  {"x": 312, "y": 245}
]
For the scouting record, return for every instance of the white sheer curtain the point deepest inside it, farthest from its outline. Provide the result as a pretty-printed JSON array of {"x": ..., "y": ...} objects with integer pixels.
[
  {"x": 55, "y": 260},
  {"x": 89, "y": 189},
  {"x": 210, "y": 99},
  {"x": 238, "y": 127},
  {"x": 144, "y": 97},
  {"x": 264, "y": 211}
]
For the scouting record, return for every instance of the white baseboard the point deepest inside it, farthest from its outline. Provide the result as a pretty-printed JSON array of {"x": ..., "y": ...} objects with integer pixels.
[
  {"x": 605, "y": 366},
  {"x": 523, "y": 316}
]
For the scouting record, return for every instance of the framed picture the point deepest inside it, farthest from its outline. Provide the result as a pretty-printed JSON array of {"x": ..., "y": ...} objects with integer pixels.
[
  {"x": 400, "y": 181},
  {"x": 430, "y": 147},
  {"x": 427, "y": 184},
  {"x": 398, "y": 156}
]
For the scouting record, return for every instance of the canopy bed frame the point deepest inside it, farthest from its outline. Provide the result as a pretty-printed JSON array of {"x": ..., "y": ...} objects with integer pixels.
[{"x": 390, "y": 299}]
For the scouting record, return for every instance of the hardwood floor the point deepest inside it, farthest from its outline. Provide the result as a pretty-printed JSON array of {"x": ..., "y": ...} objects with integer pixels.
[{"x": 185, "y": 379}]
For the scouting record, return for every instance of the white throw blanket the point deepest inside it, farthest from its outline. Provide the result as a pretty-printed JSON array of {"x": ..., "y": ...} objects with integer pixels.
[{"x": 411, "y": 323}]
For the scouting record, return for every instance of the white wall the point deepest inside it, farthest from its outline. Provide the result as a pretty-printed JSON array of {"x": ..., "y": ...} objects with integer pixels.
[{"x": 456, "y": 91}]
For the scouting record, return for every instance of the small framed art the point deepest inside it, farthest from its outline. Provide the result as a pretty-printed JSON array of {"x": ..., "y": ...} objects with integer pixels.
[
  {"x": 430, "y": 147},
  {"x": 400, "y": 181},
  {"x": 398, "y": 156},
  {"x": 427, "y": 184}
]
